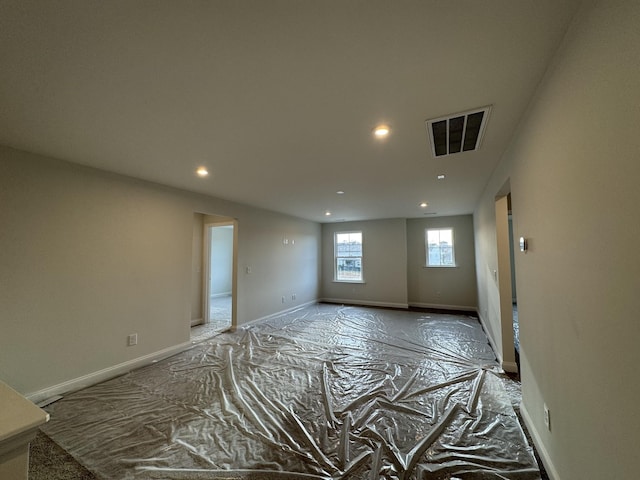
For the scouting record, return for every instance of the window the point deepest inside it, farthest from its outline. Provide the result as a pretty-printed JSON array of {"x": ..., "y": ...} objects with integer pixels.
[
  {"x": 440, "y": 248},
  {"x": 348, "y": 256}
]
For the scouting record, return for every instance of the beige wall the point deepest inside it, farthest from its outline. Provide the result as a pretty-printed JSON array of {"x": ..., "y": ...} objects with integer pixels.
[
  {"x": 394, "y": 259},
  {"x": 573, "y": 168},
  {"x": 87, "y": 258},
  {"x": 384, "y": 264},
  {"x": 442, "y": 287}
]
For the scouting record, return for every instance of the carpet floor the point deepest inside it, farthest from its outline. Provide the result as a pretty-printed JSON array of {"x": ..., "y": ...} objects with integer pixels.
[{"x": 49, "y": 461}]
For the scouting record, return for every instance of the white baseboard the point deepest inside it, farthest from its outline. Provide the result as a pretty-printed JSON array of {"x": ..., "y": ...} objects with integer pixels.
[
  {"x": 542, "y": 451},
  {"x": 197, "y": 321},
  {"x": 511, "y": 367},
  {"x": 277, "y": 314},
  {"x": 122, "y": 368},
  {"x": 441, "y": 306},
  {"x": 366, "y": 303},
  {"x": 105, "y": 374},
  {"x": 483, "y": 322}
]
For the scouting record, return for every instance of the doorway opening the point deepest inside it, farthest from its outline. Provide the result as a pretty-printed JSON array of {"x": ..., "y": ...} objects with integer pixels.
[
  {"x": 514, "y": 291},
  {"x": 507, "y": 282},
  {"x": 218, "y": 274}
]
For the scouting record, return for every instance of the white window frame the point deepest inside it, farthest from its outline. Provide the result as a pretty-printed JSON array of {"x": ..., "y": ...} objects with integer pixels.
[
  {"x": 453, "y": 248},
  {"x": 336, "y": 257}
]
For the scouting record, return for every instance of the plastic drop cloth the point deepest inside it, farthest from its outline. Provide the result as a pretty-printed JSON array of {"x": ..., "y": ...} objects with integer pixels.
[{"x": 323, "y": 392}]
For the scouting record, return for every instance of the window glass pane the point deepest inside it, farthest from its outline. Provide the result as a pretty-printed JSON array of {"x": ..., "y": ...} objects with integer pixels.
[
  {"x": 349, "y": 269},
  {"x": 440, "y": 249},
  {"x": 434, "y": 255},
  {"x": 349, "y": 244},
  {"x": 348, "y": 256},
  {"x": 433, "y": 237},
  {"x": 446, "y": 237}
]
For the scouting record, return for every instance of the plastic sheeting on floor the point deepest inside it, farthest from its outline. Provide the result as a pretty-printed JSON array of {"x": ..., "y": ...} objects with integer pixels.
[{"x": 323, "y": 392}]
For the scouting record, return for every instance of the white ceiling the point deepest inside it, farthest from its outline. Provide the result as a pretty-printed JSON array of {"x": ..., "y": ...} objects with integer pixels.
[{"x": 277, "y": 98}]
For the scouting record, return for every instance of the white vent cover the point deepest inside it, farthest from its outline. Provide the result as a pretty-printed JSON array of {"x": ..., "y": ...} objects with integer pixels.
[{"x": 460, "y": 132}]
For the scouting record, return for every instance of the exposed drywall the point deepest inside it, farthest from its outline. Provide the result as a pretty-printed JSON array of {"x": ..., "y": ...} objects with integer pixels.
[
  {"x": 88, "y": 257},
  {"x": 442, "y": 287},
  {"x": 573, "y": 169},
  {"x": 384, "y": 264}
]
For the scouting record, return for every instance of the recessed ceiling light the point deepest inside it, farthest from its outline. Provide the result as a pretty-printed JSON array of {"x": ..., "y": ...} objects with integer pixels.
[
  {"x": 424, "y": 204},
  {"x": 327, "y": 214},
  {"x": 340, "y": 192},
  {"x": 441, "y": 177},
  {"x": 381, "y": 131},
  {"x": 202, "y": 171}
]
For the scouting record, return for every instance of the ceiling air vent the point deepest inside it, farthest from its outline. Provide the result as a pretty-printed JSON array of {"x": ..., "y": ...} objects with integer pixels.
[{"x": 456, "y": 133}]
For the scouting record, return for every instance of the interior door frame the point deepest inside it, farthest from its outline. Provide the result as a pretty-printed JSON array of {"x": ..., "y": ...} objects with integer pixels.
[
  {"x": 509, "y": 363},
  {"x": 206, "y": 269}
]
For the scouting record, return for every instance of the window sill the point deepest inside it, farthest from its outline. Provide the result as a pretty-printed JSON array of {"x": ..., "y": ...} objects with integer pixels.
[
  {"x": 440, "y": 266},
  {"x": 349, "y": 281}
]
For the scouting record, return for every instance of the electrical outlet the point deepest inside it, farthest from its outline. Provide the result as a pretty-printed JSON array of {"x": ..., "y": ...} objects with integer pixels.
[
  {"x": 284, "y": 299},
  {"x": 293, "y": 296},
  {"x": 132, "y": 339},
  {"x": 547, "y": 417}
]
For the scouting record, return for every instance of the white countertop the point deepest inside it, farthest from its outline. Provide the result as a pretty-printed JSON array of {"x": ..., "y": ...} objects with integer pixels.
[{"x": 19, "y": 418}]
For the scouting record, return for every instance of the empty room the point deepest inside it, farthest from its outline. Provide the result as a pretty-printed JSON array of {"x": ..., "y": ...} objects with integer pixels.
[{"x": 336, "y": 239}]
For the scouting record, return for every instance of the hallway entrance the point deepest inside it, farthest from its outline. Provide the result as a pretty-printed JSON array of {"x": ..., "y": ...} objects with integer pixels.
[
  {"x": 215, "y": 238},
  {"x": 507, "y": 281}
]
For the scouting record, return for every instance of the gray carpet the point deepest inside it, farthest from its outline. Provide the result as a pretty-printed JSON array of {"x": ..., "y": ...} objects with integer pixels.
[{"x": 48, "y": 461}]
